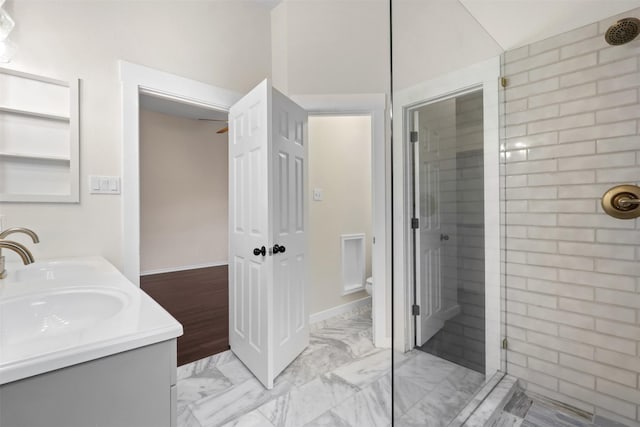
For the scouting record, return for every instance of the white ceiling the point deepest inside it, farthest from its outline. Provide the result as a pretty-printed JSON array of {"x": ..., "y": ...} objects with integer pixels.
[{"x": 514, "y": 23}]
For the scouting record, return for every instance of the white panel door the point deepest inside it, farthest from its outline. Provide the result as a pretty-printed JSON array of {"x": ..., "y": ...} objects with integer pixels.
[
  {"x": 268, "y": 319},
  {"x": 250, "y": 275},
  {"x": 289, "y": 179},
  {"x": 428, "y": 242}
]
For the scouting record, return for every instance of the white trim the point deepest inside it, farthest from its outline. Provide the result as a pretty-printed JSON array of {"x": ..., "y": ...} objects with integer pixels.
[
  {"x": 358, "y": 239},
  {"x": 373, "y": 105},
  {"x": 353, "y": 290},
  {"x": 338, "y": 310},
  {"x": 31, "y": 76},
  {"x": 183, "y": 268},
  {"x": 484, "y": 74},
  {"x": 73, "y": 120},
  {"x": 136, "y": 79}
]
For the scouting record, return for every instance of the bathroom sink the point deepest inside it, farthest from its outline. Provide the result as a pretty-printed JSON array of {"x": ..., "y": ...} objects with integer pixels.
[
  {"x": 56, "y": 317},
  {"x": 61, "y": 312},
  {"x": 53, "y": 270}
]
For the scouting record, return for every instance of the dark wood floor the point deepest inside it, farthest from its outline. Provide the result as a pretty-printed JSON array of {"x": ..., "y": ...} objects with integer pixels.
[{"x": 199, "y": 299}]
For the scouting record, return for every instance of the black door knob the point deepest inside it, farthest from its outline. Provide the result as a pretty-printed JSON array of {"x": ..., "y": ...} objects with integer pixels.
[
  {"x": 262, "y": 251},
  {"x": 444, "y": 237},
  {"x": 278, "y": 249}
]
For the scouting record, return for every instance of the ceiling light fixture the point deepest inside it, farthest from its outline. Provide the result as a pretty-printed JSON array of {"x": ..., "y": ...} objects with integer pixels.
[
  {"x": 6, "y": 24},
  {"x": 7, "y": 50},
  {"x": 7, "y": 47}
]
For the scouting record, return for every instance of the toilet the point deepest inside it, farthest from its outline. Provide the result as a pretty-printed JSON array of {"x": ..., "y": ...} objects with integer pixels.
[{"x": 369, "y": 285}]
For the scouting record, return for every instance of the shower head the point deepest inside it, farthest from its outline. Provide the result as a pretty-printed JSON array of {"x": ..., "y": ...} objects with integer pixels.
[{"x": 623, "y": 31}]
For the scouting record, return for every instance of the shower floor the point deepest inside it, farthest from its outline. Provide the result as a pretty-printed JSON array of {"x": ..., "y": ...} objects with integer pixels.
[
  {"x": 340, "y": 380},
  {"x": 525, "y": 411}
]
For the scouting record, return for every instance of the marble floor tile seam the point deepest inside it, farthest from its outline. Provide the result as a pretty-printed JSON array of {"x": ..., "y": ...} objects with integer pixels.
[
  {"x": 355, "y": 385},
  {"x": 250, "y": 419},
  {"x": 195, "y": 368},
  {"x": 354, "y": 334},
  {"x": 329, "y": 419},
  {"x": 370, "y": 407},
  {"x": 321, "y": 360},
  {"x": 366, "y": 370},
  {"x": 186, "y": 418},
  {"x": 230, "y": 381},
  {"x": 207, "y": 399},
  {"x": 301, "y": 405},
  {"x": 357, "y": 389},
  {"x": 342, "y": 414},
  {"x": 427, "y": 392},
  {"x": 448, "y": 384},
  {"x": 438, "y": 398},
  {"x": 244, "y": 397},
  {"x": 206, "y": 384},
  {"x": 362, "y": 314}
]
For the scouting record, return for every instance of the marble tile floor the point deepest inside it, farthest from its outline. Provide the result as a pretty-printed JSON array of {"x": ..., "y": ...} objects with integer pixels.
[
  {"x": 524, "y": 411},
  {"x": 340, "y": 380}
]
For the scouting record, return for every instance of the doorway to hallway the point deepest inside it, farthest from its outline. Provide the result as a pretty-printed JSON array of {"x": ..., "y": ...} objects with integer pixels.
[{"x": 183, "y": 220}]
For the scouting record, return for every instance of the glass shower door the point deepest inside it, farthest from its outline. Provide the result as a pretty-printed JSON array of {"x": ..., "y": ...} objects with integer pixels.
[
  {"x": 449, "y": 238},
  {"x": 446, "y": 362}
]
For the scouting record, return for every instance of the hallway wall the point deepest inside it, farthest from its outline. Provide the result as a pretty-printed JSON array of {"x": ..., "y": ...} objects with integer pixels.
[
  {"x": 340, "y": 165},
  {"x": 573, "y": 289},
  {"x": 184, "y": 202}
]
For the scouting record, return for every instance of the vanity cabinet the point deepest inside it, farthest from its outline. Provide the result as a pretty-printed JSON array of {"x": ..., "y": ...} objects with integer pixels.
[{"x": 135, "y": 388}]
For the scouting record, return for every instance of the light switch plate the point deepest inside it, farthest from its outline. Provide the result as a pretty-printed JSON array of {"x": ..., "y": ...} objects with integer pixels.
[{"x": 104, "y": 184}]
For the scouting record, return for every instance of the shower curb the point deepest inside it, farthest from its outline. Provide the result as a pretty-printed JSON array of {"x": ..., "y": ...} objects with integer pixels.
[{"x": 488, "y": 403}]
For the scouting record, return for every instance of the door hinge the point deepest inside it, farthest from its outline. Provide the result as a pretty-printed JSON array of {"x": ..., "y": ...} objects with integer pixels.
[
  {"x": 505, "y": 344},
  {"x": 415, "y": 310},
  {"x": 413, "y": 136},
  {"x": 415, "y": 223},
  {"x": 504, "y": 82}
]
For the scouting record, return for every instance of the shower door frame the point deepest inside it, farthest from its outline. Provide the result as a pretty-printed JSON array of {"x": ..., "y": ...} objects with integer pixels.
[{"x": 485, "y": 76}]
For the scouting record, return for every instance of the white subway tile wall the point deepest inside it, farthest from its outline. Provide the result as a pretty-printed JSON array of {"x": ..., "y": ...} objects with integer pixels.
[{"x": 572, "y": 118}]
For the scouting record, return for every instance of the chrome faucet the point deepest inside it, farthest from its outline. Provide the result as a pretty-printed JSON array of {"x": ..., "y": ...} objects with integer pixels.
[{"x": 25, "y": 254}]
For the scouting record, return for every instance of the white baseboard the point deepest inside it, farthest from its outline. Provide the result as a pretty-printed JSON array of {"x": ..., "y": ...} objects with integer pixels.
[
  {"x": 338, "y": 310},
  {"x": 383, "y": 342},
  {"x": 183, "y": 268}
]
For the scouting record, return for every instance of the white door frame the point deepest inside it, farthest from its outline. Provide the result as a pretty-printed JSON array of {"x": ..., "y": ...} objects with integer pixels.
[
  {"x": 373, "y": 105},
  {"x": 136, "y": 80},
  {"x": 483, "y": 75}
]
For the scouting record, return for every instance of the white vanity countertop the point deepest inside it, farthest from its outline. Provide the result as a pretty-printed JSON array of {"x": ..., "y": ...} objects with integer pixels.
[{"x": 58, "y": 313}]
